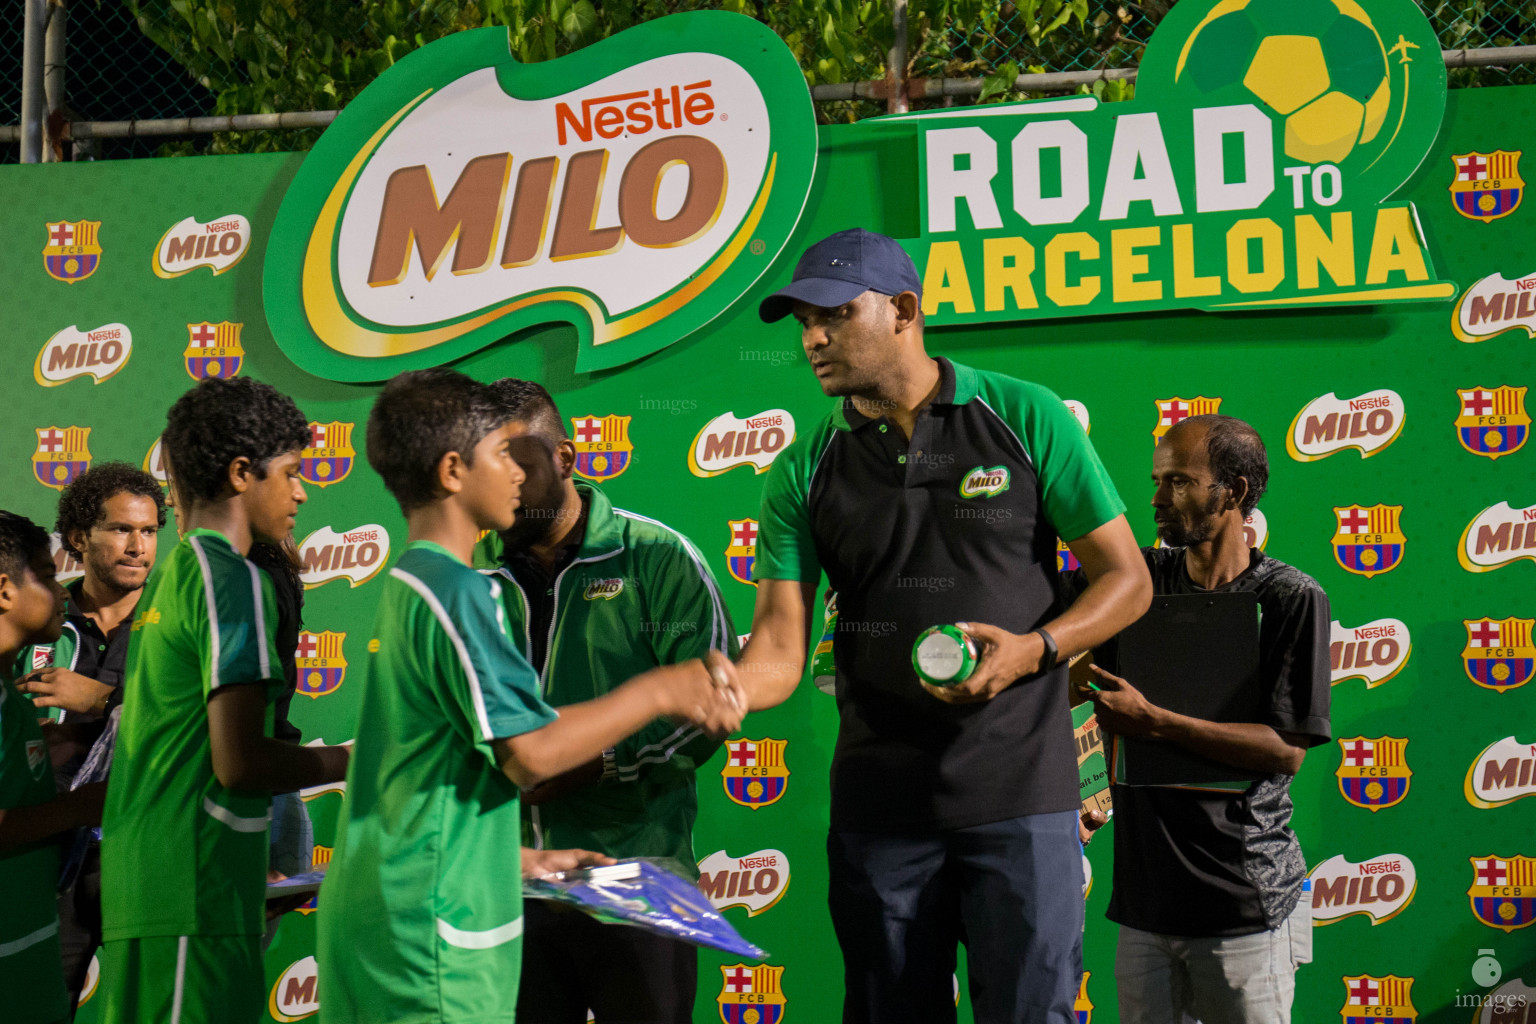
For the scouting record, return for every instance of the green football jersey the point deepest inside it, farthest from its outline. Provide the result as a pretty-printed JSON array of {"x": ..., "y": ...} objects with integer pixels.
[
  {"x": 31, "y": 978},
  {"x": 638, "y": 595},
  {"x": 421, "y": 915},
  {"x": 180, "y": 853},
  {"x": 63, "y": 652}
]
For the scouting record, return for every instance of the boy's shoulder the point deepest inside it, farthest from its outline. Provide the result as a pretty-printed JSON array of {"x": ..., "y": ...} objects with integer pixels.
[{"x": 440, "y": 579}]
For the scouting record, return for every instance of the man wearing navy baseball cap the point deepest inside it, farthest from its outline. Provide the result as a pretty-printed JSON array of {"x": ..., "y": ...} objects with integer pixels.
[{"x": 935, "y": 493}]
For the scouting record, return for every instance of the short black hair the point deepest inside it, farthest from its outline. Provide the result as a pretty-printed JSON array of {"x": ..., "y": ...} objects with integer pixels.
[
  {"x": 420, "y": 416},
  {"x": 526, "y": 401},
  {"x": 21, "y": 541},
  {"x": 82, "y": 506},
  {"x": 219, "y": 421},
  {"x": 1234, "y": 449}
]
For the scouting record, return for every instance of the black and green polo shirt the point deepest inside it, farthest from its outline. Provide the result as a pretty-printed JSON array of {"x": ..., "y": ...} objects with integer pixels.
[{"x": 957, "y": 524}]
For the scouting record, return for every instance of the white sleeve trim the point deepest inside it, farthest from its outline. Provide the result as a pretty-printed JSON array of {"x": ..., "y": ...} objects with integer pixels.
[{"x": 477, "y": 695}]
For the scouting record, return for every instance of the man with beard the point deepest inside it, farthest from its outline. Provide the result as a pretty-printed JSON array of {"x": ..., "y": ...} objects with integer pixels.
[
  {"x": 597, "y": 595},
  {"x": 934, "y": 493},
  {"x": 110, "y": 518},
  {"x": 1208, "y": 884}
]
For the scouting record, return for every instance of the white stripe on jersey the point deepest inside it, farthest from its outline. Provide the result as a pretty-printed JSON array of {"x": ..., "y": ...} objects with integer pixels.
[
  {"x": 181, "y": 979},
  {"x": 234, "y": 820},
  {"x": 480, "y": 940},
  {"x": 28, "y": 941},
  {"x": 475, "y": 693},
  {"x": 684, "y": 734},
  {"x": 1008, "y": 427},
  {"x": 261, "y": 620},
  {"x": 720, "y": 626},
  {"x": 213, "y": 612}
]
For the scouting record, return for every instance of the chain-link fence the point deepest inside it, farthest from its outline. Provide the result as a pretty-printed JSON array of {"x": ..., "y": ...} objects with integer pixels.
[{"x": 147, "y": 59}]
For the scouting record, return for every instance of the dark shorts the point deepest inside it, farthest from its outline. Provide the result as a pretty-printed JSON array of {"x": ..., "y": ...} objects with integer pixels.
[
  {"x": 1011, "y": 891},
  {"x": 572, "y": 964}
]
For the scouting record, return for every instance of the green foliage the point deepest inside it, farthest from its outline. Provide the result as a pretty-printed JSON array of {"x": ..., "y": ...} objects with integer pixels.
[
  {"x": 265, "y": 56},
  {"x": 268, "y": 56}
]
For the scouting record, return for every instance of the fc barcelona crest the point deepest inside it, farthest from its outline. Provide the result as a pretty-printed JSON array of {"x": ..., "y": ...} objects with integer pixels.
[
  {"x": 1503, "y": 891},
  {"x": 63, "y": 453},
  {"x": 1368, "y": 538},
  {"x": 320, "y": 662},
  {"x": 213, "y": 350},
  {"x": 754, "y": 774},
  {"x": 751, "y": 995},
  {"x": 1499, "y": 654},
  {"x": 1172, "y": 411},
  {"x": 1373, "y": 773},
  {"x": 1372, "y": 1000},
  {"x": 602, "y": 446},
  {"x": 1487, "y": 186},
  {"x": 1493, "y": 421},
  {"x": 742, "y": 552},
  {"x": 72, "y": 253},
  {"x": 328, "y": 457},
  {"x": 1082, "y": 1007}
]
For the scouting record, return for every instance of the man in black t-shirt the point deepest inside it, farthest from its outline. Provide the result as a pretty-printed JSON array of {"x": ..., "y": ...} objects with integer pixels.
[
  {"x": 934, "y": 492},
  {"x": 1208, "y": 884}
]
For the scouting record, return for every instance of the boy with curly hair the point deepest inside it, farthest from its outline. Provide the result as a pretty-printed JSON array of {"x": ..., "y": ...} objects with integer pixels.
[{"x": 184, "y": 841}]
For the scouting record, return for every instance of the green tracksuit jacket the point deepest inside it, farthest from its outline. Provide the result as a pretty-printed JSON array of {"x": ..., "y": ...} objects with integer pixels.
[{"x": 638, "y": 595}]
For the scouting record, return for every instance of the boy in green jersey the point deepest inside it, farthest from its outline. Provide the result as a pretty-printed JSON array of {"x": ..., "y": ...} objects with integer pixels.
[
  {"x": 184, "y": 840},
  {"x": 595, "y": 594},
  {"x": 31, "y": 611},
  {"x": 421, "y": 920}
]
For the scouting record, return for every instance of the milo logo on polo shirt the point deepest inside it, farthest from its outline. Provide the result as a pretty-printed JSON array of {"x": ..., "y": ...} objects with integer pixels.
[{"x": 982, "y": 482}]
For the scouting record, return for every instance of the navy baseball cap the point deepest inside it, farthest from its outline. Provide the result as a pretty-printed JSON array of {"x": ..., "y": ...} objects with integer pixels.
[{"x": 841, "y": 267}]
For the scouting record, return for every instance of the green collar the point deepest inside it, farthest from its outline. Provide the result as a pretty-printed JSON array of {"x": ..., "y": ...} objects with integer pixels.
[
  {"x": 605, "y": 528},
  {"x": 432, "y": 545},
  {"x": 957, "y": 386}
]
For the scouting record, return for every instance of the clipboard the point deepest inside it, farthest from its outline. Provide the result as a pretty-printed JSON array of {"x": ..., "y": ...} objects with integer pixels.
[{"x": 1196, "y": 655}]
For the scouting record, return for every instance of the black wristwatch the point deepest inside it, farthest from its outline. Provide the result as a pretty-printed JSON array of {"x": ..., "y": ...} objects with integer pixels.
[{"x": 1048, "y": 656}]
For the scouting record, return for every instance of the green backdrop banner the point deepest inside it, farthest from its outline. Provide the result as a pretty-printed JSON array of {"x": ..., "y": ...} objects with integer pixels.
[{"x": 1402, "y": 480}]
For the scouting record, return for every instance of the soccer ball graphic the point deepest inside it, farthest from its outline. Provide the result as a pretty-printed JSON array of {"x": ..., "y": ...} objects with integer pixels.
[{"x": 1319, "y": 64}]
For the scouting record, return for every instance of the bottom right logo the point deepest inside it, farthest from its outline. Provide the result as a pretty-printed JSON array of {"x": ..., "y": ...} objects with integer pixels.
[{"x": 1372, "y": 1000}]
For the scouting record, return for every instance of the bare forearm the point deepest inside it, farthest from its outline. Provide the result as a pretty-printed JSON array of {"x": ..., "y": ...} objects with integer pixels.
[
  {"x": 774, "y": 658},
  {"x": 1111, "y": 602},
  {"x": 536, "y": 758},
  {"x": 769, "y": 672},
  {"x": 1247, "y": 745},
  {"x": 278, "y": 767},
  {"x": 21, "y": 826}
]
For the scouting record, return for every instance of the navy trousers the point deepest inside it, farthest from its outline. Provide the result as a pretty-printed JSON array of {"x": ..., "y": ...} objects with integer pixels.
[{"x": 1011, "y": 891}]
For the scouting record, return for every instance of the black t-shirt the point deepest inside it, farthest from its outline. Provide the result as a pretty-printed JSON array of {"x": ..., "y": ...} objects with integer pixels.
[
  {"x": 956, "y": 523},
  {"x": 1201, "y": 864}
]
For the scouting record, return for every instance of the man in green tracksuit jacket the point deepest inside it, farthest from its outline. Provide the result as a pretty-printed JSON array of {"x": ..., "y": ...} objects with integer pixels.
[{"x": 596, "y": 595}]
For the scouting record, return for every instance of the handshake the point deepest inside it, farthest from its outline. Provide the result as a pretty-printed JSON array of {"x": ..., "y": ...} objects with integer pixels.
[{"x": 705, "y": 691}]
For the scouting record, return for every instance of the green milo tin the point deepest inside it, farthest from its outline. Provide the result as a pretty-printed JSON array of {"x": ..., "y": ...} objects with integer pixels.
[{"x": 944, "y": 656}]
